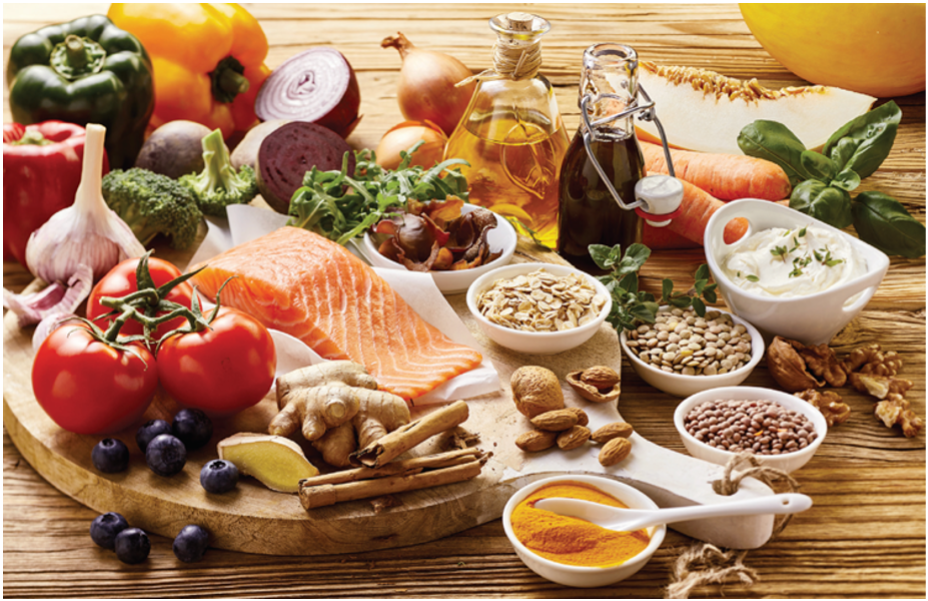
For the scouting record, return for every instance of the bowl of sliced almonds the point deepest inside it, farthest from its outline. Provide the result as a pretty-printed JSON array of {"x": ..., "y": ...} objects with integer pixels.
[{"x": 538, "y": 308}]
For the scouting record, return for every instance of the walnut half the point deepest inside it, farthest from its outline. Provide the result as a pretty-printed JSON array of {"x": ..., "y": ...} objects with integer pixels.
[
  {"x": 832, "y": 406},
  {"x": 894, "y": 409},
  {"x": 788, "y": 368}
]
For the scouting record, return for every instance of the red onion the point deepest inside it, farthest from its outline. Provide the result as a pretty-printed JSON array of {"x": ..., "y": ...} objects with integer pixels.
[{"x": 317, "y": 85}]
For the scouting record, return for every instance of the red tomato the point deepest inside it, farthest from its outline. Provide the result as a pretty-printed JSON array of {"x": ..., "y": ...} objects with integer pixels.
[
  {"x": 121, "y": 281},
  {"x": 220, "y": 370},
  {"x": 89, "y": 387}
]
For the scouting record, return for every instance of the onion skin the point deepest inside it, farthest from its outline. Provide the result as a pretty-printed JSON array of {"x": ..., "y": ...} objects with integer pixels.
[
  {"x": 427, "y": 89},
  {"x": 403, "y": 137}
]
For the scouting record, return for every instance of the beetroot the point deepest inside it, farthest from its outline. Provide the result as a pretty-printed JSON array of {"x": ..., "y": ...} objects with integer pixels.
[
  {"x": 289, "y": 152},
  {"x": 316, "y": 85}
]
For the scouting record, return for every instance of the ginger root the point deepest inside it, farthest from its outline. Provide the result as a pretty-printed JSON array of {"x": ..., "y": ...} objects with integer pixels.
[
  {"x": 276, "y": 462},
  {"x": 338, "y": 408}
]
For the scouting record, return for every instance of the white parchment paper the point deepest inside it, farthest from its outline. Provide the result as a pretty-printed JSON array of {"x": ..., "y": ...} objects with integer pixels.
[{"x": 246, "y": 223}]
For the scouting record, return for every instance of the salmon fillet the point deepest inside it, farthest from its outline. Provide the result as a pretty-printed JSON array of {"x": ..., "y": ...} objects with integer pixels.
[{"x": 300, "y": 283}]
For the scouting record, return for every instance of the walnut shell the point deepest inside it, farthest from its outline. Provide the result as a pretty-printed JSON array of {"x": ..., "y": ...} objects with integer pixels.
[
  {"x": 788, "y": 368},
  {"x": 536, "y": 390},
  {"x": 599, "y": 384}
]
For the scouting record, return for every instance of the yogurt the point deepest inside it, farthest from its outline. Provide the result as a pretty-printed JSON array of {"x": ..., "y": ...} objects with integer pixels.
[{"x": 789, "y": 263}]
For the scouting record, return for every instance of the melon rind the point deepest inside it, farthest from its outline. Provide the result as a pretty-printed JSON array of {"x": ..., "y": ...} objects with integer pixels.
[{"x": 704, "y": 111}]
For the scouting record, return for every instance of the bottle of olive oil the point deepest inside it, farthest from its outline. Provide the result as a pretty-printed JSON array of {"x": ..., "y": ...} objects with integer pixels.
[{"x": 512, "y": 134}]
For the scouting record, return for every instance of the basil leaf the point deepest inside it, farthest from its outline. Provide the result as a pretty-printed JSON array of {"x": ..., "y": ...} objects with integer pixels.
[
  {"x": 847, "y": 180},
  {"x": 831, "y": 205},
  {"x": 774, "y": 142},
  {"x": 818, "y": 166},
  {"x": 882, "y": 221},
  {"x": 870, "y": 136}
]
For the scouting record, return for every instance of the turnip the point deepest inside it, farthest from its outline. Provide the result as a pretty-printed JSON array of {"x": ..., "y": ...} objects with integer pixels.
[{"x": 174, "y": 149}]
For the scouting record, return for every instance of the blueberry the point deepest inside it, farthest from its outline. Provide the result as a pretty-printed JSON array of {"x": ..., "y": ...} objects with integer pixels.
[
  {"x": 166, "y": 455},
  {"x": 219, "y": 476},
  {"x": 104, "y": 528},
  {"x": 149, "y": 430},
  {"x": 193, "y": 428},
  {"x": 191, "y": 542},
  {"x": 110, "y": 456},
  {"x": 132, "y": 545}
]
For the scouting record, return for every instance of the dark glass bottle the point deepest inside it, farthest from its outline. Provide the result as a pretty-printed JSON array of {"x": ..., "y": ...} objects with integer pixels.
[{"x": 587, "y": 211}]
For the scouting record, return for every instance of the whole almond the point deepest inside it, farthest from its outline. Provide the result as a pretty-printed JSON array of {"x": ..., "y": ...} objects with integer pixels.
[
  {"x": 555, "y": 421},
  {"x": 582, "y": 418},
  {"x": 613, "y": 430},
  {"x": 615, "y": 451},
  {"x": 573, "y": 438},
  {"x": 536, "y": 440}
]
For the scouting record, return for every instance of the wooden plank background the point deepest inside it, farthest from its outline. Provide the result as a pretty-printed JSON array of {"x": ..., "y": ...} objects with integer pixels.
[{"x": 865, "y": 536}]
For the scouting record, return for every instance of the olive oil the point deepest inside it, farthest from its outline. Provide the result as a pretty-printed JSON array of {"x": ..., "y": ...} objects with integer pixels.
[{"x": 513, "y": 171}]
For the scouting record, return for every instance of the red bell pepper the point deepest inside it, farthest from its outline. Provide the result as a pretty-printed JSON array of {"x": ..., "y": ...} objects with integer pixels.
[{"x": 41, "y": 173}]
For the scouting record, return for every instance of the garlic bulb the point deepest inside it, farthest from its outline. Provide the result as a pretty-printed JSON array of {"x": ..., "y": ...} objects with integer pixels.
[
  {"x": 86, "y": 232},
  {"x": 76, "y": 246}
]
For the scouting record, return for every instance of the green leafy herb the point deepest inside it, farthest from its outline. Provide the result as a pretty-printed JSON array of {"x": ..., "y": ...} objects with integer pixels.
[
  {"x": 802, "y": 232},
  {"x": 828, "y": 204},
  {"x": 779, "y": 252},
  {"x": 774, "y": 142},
  {"x": 752, "y": 278},
  {"x": 630, "y": 306},
  {"x": 340, "y": 206},
  {"x": 818, "y": 166},
  {"x": 863, "y": 143},
  {"x": 882, "y": 221}
]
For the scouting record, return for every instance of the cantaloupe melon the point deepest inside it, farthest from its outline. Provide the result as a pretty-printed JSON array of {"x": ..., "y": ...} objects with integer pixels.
[
  {"x": 876, "y": 48},
  {"x": 703, "y": 110}
]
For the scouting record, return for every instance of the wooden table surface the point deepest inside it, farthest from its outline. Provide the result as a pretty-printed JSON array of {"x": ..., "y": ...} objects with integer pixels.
[{"x": 865, "y": 536}]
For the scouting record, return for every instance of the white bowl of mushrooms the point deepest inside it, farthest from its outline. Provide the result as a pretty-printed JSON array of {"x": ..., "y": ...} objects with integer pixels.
[{"x": 682, "y": 354}]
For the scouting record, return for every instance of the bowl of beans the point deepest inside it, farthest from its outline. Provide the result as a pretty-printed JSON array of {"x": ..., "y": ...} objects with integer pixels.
[
  {"x": 682, "y": 353},
  {"x": 781, "y": 430}
]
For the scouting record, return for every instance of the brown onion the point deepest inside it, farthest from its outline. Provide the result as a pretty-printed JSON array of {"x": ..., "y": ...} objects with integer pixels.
[
  {"x": 427, "y": 84},
  {"x": 404, "y": 136}
]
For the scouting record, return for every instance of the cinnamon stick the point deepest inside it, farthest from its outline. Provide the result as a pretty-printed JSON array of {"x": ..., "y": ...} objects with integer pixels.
[
  {"x": 330, "y": 494},
  {"x": 395, "y": 468},
  {"x": 385, "y": 449}
]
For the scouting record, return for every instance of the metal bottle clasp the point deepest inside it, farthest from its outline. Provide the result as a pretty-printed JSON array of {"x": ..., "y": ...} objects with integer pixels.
[{"x": 644, "y": 108}]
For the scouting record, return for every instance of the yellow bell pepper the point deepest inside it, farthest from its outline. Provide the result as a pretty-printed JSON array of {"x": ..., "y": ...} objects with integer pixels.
[{"x": 208, "y": 61}]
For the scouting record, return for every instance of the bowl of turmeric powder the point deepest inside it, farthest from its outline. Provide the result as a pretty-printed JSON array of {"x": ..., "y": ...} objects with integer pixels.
[{"x": 572, "y": 551}]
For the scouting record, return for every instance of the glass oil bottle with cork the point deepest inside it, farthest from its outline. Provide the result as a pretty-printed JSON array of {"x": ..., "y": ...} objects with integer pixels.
[
  {"x": 511, "y": 133},
  {"x": 604, "y": 196}
]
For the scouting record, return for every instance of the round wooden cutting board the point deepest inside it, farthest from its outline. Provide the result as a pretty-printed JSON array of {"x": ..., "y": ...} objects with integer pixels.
[{"x": 257, "y": 520}]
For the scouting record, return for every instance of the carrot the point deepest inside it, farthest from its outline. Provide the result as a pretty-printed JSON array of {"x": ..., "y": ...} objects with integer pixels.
[
  {"x": 724, "y": 176},
  {"x": 697, "y": 207},
  {"x": 662, "y": 238}
]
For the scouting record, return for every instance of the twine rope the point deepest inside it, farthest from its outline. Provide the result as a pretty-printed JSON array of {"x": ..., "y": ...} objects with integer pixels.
[
  {"x": 703, "y": 563},
  {"x": 512, "y": 59}
]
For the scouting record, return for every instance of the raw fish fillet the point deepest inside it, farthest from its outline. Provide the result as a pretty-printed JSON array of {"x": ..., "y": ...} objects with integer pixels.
[{"x": 300, "y": 283}]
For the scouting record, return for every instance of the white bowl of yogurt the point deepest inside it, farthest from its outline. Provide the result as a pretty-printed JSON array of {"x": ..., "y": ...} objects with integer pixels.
[{"x": 791, "y": 275}]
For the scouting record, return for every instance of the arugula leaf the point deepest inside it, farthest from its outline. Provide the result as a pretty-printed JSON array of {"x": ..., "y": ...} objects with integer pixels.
[
  {"x": 882, "y": 221},
  {"x": 863, "y": 143},
  {"x": 341, "y": 206}
]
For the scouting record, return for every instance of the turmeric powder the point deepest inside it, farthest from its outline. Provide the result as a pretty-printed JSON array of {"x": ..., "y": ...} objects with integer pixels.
[{"x": 571, "y": 540}]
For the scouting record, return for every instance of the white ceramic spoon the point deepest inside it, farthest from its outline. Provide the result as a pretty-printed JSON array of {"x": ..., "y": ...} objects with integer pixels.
[{"x": 629, "y": 520}]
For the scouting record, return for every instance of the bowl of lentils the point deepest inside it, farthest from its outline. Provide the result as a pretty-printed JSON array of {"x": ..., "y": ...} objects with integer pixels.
[
  {"x": 682, "y": 353},
  {"x": 781, "y": 430}
]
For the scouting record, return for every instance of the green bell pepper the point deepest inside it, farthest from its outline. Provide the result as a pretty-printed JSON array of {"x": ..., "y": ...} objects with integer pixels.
[{"x": 85, "y": 71}]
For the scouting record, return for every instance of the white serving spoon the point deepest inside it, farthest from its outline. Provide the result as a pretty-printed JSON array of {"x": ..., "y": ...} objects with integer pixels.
[{"x": 629, "y": 520}]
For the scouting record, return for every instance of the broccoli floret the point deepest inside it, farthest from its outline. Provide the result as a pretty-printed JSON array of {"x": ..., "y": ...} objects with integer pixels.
[
  {"x": 218, "y": 185},
  {"x": 153, "y": 204}
]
